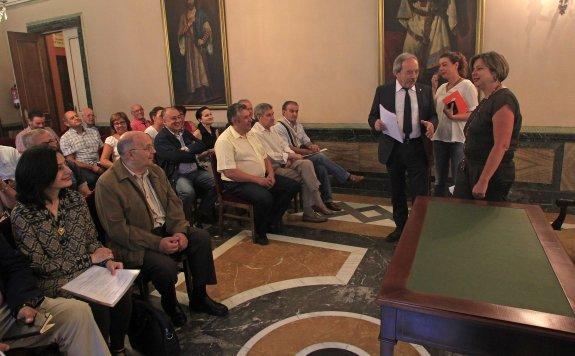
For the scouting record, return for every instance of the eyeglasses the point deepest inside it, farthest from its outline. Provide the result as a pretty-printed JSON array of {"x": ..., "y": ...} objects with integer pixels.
[
  {"x": 120, "y": 123},
  {"x": 148, "y": 148}
]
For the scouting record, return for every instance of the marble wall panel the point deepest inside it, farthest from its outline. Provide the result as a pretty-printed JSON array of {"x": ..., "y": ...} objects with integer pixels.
[
  {"x": 344, "y": 153},
  {"x": 568, "y": 170},
  {"x": 534, "y": 165},
  {"x": 368, "y": 161}
]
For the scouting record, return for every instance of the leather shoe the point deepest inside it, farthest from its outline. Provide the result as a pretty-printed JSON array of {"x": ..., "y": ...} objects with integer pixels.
[
  {"x": 324, "y": 211},
  {"x": 209, "y": 306},
  {"x": 333, "y": 206},
  {"x": 261, "y": 240},
  {"x": 178, "y": 317},
  {"x": 394, "y": 235},
  {"x": 314, "y": 218}
]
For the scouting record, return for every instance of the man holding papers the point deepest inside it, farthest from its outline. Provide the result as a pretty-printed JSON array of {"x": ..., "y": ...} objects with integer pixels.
[
  {"x": 404, "y": 151},
  {"x": 144, "y": 220}
]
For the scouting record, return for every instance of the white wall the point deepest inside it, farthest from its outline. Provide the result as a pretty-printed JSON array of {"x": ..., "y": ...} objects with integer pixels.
[{"x": 321, "y": 53}]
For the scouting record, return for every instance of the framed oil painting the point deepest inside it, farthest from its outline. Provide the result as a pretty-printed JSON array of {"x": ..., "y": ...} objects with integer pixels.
[
  {"x": 195, "y": 35},
  {"x": 427, "y": 28}
]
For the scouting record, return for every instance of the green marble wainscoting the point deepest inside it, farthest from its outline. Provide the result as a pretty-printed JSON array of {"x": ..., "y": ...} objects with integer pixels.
[{"x": 545, "y": 161}]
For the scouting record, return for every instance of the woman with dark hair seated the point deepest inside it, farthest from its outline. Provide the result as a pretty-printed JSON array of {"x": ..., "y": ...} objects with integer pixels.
[
  {"x": 205, "y": 131},
  {"x": 53, "y": 228},
  {"x": 120, "y": 124},
  {"x": 207, "y": 134}
]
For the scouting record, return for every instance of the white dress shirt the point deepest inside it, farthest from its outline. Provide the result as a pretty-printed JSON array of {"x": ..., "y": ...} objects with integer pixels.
[{"x": 399, "y": 108}]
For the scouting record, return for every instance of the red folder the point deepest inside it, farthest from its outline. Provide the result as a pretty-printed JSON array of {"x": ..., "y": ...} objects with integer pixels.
[{"x": 457, "y": 99}]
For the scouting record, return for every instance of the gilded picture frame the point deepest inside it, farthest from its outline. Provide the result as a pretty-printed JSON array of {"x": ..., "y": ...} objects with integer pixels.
[
  {"x": 197, "y": 53},
  {"x": 427, "y": 28}
]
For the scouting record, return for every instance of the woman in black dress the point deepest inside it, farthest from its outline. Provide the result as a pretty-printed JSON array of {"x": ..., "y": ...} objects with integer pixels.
[
  {"x": 205, "y": 131},
  {"x": 491, "y": 134}
]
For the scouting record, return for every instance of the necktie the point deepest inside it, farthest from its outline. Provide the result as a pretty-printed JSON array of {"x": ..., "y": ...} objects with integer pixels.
[{"x": 407, "y": 114}]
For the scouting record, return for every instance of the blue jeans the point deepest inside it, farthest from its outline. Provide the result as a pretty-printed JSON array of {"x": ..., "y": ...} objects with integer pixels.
[
  {"x": 198, "y": 183},
  {"x": 444, "y": 154},
  {"x": 323, "y": 168}
]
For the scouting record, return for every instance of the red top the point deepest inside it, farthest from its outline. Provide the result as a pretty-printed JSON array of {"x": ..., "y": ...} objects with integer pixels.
[{"x": 138, "y": 125}]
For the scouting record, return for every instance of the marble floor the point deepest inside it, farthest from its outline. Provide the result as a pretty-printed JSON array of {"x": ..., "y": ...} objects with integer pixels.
[{"x": 311, "y": 291}]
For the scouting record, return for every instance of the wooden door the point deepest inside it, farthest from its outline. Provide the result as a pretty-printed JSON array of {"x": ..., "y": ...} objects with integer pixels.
[{"x": 32, "y": 73}]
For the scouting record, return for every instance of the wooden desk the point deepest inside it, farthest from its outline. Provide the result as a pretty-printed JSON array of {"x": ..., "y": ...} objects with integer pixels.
[{"x": 479, "y": 278}]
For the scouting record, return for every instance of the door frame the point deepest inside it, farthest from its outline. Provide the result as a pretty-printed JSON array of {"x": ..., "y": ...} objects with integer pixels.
[{"x": 59, "y": 24}]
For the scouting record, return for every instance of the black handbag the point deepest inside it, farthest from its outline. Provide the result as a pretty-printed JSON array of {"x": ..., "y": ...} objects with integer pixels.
[{"x": 151, "y": 332}]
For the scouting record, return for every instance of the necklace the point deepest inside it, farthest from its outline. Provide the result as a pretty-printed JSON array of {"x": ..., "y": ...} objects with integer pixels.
[
  {"x": 499, "y": 86},
  {"x": 55, "y": 221},
  {"x": 454, "y": 84}
]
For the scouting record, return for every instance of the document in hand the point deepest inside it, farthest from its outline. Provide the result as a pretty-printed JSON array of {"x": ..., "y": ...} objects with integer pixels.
[
  {"x": 98, "y": 285},
  {"x": 460, "y": 104},
  {"x": 311, "y": 154},
  {"x": 19, "y": 329},
  {"x": 392, "y": 127}
]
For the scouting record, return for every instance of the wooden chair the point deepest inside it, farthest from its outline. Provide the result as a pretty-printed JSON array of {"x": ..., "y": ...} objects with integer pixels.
[{"x": 226, "y": 200}]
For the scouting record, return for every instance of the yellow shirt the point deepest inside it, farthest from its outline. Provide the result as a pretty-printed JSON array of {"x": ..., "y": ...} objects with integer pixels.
[{"x": 234, "y": 151}]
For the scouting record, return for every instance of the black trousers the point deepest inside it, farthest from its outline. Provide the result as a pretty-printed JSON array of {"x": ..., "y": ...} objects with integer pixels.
[
  {"x": 114, "y": 322},
  {"x": 269, "y": 204},
  {"x": 162, "y": 269},
  {"x": 410, "y": 158},
  {"x": 499, "y": 185}
]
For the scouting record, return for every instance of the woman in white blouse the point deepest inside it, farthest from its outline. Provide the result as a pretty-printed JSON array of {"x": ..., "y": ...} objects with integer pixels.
[
  {"x": 449, "y": 137},
  {"x": 120, "y": 124}
]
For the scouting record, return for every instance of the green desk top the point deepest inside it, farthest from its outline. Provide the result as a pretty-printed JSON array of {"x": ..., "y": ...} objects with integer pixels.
[{"x": 485, "y": 254}]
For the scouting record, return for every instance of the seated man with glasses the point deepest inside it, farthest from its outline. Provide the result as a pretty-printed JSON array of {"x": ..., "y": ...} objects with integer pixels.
[
  {"x": 41, "y": 137},
  {"x": 139, "y": 122},
  {"x": 74, "y": 330},
  {"x": 145, "y": 223},
  {"x": 176, "y": 154}
]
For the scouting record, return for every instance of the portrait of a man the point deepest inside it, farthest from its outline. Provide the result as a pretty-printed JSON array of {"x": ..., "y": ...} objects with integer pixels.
[
  {"x": 428, "y": 28},
  {"x": 197, "y": 51}
]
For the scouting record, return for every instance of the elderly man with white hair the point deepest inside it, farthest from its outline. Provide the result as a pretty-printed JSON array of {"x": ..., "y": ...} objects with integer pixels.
[{"x": 144, "y": 220}]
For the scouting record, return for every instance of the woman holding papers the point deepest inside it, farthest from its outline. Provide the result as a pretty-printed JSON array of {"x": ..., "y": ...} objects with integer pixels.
[
  {"x": 53, "y": 228},
  {"x": 491, "y": 134},
  {"x": 454, "y": 101}
]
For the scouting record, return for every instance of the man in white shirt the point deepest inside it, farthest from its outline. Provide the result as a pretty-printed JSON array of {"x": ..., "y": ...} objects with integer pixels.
[
  {"x": 81, "y": 146},
  {"x": 294, "y": 135},
  {"x": 157, "y": 118},
  {"x": 247, "y": 173},
  {"x": 289, "y": 164},
  {"x": 250, "y": 108}
]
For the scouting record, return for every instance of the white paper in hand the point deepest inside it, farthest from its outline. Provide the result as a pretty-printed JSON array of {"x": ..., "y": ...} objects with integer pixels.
[
  {"x": 98, "y": 285},
  {"x": 392, "y": 127}
]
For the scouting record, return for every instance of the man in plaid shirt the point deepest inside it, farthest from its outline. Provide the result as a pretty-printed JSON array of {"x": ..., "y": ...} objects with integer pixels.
[{"x": 81, "y": 146}]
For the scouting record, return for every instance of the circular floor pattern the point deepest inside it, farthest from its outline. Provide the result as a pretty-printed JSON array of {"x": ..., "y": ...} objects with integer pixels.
[{"x": 319, "y": 333}]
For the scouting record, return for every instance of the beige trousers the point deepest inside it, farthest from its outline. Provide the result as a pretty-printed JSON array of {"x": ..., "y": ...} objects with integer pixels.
[
  {"x": 75, "y": 330},
  {"x": 302, "y": 171}
]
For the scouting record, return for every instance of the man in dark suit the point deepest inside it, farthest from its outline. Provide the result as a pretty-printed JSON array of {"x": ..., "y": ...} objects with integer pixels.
[
  {"x": 415, "y": 110},
  {"x": 176, "y": 151}
]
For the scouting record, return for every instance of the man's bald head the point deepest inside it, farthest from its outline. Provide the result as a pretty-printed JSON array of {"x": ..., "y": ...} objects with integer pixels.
[
  {"x": 72, "y": 119},
  {"x": 137, "y": 111},
  {"x": 128, "y": 140}
]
